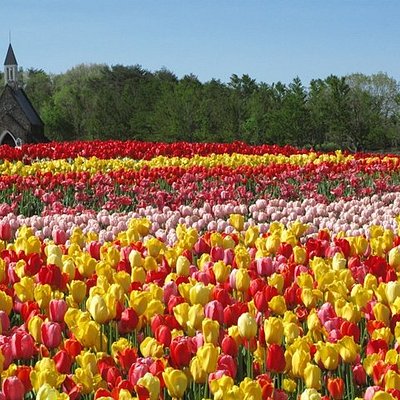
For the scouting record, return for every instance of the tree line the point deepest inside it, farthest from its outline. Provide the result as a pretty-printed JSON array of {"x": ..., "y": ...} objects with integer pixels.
[{"x": 94, "y": 101}]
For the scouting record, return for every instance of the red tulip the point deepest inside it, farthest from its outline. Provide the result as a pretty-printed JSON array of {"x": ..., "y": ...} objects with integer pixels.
[
  {"x": 215, "y": 311},
  {"x": 360, "y": 376},
  {"x": 23, "y": 373},
  {"x": 275, "y": 358},
  {"x": 73, "y": 347},
  {"x": 181, "y": 352},
  {"x": 71, "y": 388},
  {"x": 51, "y": 334},
  {"x": 137, "y": 371},
  {"x": 229, "y": 346},
  {"x": 126, "y": 358},
  {"x": 128, "y": 322},
  {"x": 227, "y": 363},
  {"x": 57, "y": 310},
  {"x": 13, "y": 388},
  {"x": 33, "y": 264},
  {"x": 163, "y": 335},
  {"x": 22, "y": 345},
  {"x": 5, "y": 231},
  {"x": 336, "y": 388},
  {"x": 59, "y": 236},
  {"x": 63, "y": 362}
]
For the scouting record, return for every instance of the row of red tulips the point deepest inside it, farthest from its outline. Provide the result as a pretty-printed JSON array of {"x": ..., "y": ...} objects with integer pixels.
[{"x": 134, "y": 149}]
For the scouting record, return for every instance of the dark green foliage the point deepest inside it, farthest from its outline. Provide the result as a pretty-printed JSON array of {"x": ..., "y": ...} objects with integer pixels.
[{"x": 356, "y": 112}]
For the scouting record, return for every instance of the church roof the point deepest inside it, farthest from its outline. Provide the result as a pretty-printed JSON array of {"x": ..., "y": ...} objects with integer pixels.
[
  {"x": 10, "y": 57},
  {"x": 27, "y": 107}
]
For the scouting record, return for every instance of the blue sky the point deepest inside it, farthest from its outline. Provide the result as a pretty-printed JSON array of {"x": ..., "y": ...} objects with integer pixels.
[{"x": 271, "y": 40}]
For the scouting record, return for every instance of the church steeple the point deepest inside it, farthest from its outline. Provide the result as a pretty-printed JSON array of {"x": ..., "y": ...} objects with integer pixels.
[{"x": 10, "y": 67}]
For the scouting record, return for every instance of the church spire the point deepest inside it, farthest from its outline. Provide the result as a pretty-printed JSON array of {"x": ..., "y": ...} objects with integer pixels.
[{"x": 10, "y": 67}]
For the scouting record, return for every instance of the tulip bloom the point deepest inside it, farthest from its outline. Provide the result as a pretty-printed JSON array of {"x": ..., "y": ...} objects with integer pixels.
[
  {"x": 273, "y": 330},
  {"x": 336, "y": 388},
  {"x": 22, "y": 345},
  {"x": 208, "y": 357},
  {"x": 13, "y": 388},
  {"x": 275, "y": 358},
  {"x": 51, "y": 334},
  {"x": 175, "y": 381},
  {"x": 247, "y": 326}
]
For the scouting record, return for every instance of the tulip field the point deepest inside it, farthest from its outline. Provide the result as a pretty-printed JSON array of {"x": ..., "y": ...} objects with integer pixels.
[{"x": 135, "y": 270}]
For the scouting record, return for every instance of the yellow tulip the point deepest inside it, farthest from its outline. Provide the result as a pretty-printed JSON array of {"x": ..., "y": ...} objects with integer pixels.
[
  {"x": 181, "y": 313},
  {"x": 24, "y": 289},
  {"x": 182, "y": 266},
  {"x": 289, "y": 385},
  {"x": 310, "y": 394},
  {"x": 392, "y": 380},
  {"x": 339, "y": 261},
  {"x": 328, "y": 354},
  {"x": 242, "y": 280},
  {"x": 208, "y": 357},
  {"x": 151, "y": 348},
  {"x": 382, "y": 313},
  {"x": 175, "y": 381},
  {"x": 273, "y": 328},
  {"x": 277, "y": 305},
  {"x": 97, "y": 307},
  {"x": 88, "y": 360},
  {"x": 150, "y": 264},
  {"x": 291, "y": 331},
  {"x": 251, "y": 389},
  {"x": 221, "y": 385},
  {"x": 299, "y": 255},
  {"x": 47, "y": 392},
  {"x": 210, "y": 330},
  {"x": 152, "y": 384},
  {"x": 78, "y": 290},
  {"x": 392, "y": 291},
  {"x": 381, "y": 395},
  {"x": 45, "y": 372},
  {"x": 139, "y": 300},
  {"x": 88, "y": 381},
  {"x": 247, "y": 326},
  {"x": 42, "y": 295},
  {"x": 86, "y": 264},
  {"x": 221, "y": 271},
  {"x": 312, "y": 376},
  {"x": 138, "y": 274},
  {"x": 195, "y": 316},
  {"x": 34, "y": 327},
  {"x": 251, "y": 236},
  {"x": 348, "y": 349},
  {"x": 300, "y": 359},
  {"x": 394, "y": 258},
  {"x": 237, "y": 221},
  {"x": 277, "y": 281},
  {"x": 197, "y": 371},
  {"x": 200, "y": 294},
  {"x": 6, "y": 302},
  {"x": 154, "y": 246},
  {"x": 242, "y": 257}
]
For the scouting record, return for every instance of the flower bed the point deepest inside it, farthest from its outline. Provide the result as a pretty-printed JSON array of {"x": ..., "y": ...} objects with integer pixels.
[{"x": 231, "y": 273}]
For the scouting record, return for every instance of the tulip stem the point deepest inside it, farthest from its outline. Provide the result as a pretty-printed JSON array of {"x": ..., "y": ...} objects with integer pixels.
[
  {"x": 101, "y": 337},
  {"x": 249, "y": 362}
]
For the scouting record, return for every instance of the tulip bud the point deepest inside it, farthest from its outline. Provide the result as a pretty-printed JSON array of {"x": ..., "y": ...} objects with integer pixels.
[
  {"x": 13, "y": 388},
  {"x": 336, "y": 388},
  {"x": 175, "y": 381},
  {"x": 247, "y": 326},
  {"x": 208, "y": 356}
]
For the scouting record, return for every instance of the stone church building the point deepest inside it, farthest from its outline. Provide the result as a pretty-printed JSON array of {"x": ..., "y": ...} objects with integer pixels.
[{"x": 19, "y": 121}]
